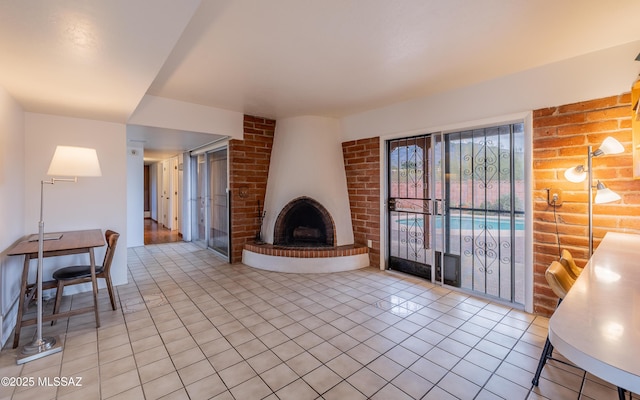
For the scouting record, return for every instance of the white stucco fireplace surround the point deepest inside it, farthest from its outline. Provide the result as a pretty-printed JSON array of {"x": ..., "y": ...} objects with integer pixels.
[{"x": 307, "y": 162}]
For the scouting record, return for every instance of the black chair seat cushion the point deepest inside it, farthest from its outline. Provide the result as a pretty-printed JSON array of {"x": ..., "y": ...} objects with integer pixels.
[{"x": 74, "y": 272}]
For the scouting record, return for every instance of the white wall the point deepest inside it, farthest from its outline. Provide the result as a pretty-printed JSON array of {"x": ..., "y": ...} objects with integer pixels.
[
  {"x": 135, "y": 196},
  {"x": 591, "y": 76},
  {"x": 307, "y": 160},
  {"x": 99, "y": 202},
  {"x": 12, "y": 210}
]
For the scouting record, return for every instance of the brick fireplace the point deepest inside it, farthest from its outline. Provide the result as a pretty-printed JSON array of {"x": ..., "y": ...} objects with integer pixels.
[{"x": 307, "y": 225}]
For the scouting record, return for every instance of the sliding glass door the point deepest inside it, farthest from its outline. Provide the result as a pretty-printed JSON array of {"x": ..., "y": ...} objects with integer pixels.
[
  {"x": 456, "y": 209},
  {"x": 219, "y": 206},
  {"x": 211, "y": 201}
]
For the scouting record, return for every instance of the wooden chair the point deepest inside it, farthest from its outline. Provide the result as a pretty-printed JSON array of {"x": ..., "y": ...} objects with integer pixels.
[
  {"x": 566, "y": 259},
  {"x": 78, "y": 274}
]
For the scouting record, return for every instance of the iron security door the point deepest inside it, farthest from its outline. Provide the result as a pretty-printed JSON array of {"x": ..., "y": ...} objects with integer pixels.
[{"x": 409, "y": 205}]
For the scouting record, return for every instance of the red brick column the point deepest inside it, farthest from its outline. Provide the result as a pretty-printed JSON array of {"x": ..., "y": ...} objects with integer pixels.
[
  {"x": 362, "y": 165},
  {"x": 560, "y": 139},
  {"x": 248, "y": 170}
]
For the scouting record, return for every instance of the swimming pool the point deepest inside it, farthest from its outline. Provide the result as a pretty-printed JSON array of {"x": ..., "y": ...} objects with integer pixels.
[{"x": 468, "y": 222}]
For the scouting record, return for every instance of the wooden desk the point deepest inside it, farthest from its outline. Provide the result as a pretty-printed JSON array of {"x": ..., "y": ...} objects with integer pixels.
[
  {"x": 597, "y": 325},
  {"x": 72, "y": 242}
]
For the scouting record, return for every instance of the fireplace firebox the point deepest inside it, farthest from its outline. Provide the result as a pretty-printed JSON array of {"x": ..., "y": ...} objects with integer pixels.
[{"x": 304, "y": 222}]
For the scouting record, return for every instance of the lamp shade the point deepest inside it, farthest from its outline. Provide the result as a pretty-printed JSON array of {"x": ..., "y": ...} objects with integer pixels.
[
  {"x": 605, "y": 195},
  {"x": 74, "y": 161},
  {"x": 610, "y": 146},
  {"x": 575, "y": 174}
]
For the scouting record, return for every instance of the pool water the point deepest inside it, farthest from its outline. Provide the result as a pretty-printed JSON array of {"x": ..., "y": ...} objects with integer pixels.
[{"x": 467, "y": 222}]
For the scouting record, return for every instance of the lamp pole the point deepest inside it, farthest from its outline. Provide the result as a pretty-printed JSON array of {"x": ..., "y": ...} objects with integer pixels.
[
  {"x": 40, "y": 346},
  {"x": 577, "y": 174},
  {"x": 590, "y": 199}
]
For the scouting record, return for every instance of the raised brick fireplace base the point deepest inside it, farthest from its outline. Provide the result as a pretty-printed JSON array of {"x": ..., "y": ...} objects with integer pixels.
[{"x": 305, "y": 260}]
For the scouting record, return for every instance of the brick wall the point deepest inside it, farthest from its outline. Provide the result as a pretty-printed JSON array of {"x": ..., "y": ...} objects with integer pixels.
[
  {"x": 249, "y": 168},
  {"x": 560, "y": 139},
  {"x": 362, "y": 165}
]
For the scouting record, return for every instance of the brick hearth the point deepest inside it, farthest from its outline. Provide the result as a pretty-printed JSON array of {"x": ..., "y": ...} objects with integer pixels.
[{"x": 306, "y": 252}]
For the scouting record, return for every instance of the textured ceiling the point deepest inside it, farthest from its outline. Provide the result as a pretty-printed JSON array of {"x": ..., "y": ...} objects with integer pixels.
[
  {"x": 280, "y": 58},
  {"x": 336, "y": 57}
]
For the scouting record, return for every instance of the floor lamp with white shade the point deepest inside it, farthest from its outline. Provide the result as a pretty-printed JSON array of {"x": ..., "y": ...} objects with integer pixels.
[
  {"x": 70, "y": 162},
  {"x": 603, "y": 194}
]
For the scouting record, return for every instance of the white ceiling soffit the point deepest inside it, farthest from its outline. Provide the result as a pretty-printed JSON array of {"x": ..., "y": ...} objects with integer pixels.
[
  {"x": 161, "y": 143},
  {"x": 92, "y": 59},
  {"x": 286, "y": 58}
]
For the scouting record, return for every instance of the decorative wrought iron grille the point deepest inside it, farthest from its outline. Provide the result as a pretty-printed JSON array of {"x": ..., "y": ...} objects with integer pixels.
[
  {"x": 485, "y": 208},
  {"x": 409, "y": 205}
]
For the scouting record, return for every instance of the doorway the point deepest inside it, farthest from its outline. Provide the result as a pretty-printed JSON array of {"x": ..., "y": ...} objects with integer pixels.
[
  {"x": 163, "y": 202},
  {"x": 456, "y": 209}
]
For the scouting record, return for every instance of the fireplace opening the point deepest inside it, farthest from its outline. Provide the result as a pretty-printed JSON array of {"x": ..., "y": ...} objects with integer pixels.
[{"x": 304, "y": 222}]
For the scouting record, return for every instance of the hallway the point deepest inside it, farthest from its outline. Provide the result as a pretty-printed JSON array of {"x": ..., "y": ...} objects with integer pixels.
[{"x": 156, "y": 234}]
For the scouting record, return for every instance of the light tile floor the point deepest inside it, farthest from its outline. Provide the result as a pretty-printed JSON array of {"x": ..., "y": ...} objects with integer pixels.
[{"x": 190, "y": 326}]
